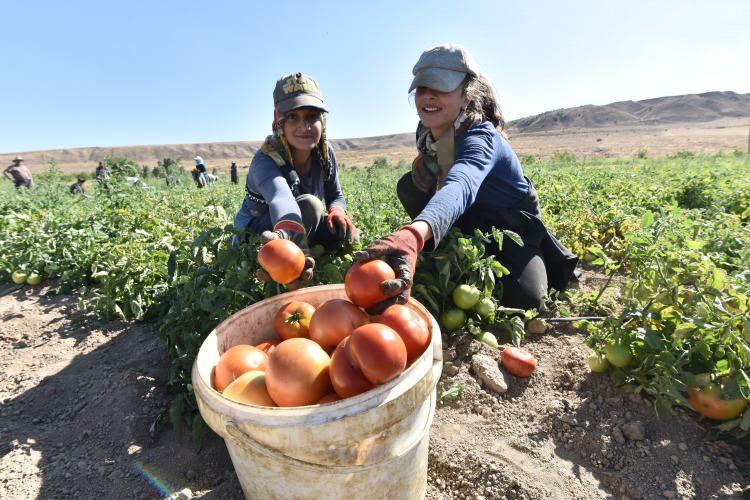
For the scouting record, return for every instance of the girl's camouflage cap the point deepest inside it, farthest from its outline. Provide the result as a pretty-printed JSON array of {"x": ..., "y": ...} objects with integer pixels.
[{"x": 296, "y": 91}]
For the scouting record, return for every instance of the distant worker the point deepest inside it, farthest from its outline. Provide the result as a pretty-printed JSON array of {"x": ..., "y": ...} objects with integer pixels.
[
  {"x": 199, "y": 174},
  {"x": 78, "y": 187},
  {"x": 19, "y": 173},
  {"x": 102, "y": 175},
  {"x": 233, "y": 173}
]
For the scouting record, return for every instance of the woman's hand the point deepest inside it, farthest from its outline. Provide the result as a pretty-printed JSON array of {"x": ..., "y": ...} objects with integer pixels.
[
  {"x": 340, "y": 223},
  {"x": 300, "y": 239},
  {"x": 400, "y": 251}
]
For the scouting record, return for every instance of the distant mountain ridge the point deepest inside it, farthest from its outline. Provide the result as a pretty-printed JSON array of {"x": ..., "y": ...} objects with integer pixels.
[
  {"x": 689, "y": 108},
  {"x": 682, "y": 109}
]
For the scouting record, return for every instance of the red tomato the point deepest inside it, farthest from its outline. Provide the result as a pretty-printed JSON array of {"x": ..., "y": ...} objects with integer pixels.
[
  {"x": 236, "y": 361},
  {"x": 250, "y": 388},
  {"x": 293, "y": 319},
  {"x": 346, "y": 377},
  {"x": 298, "y": 373},
  {"x": 329, "y": 398},
  {"x": 378, "y": 351},
  {"x": 268, "y": 345},
  {"x": 335, "y": 320},
  {"x": 362, "y": 282},
  {"x": 708, "y": 402},
  {"x": 410, "y": 326},
  {"x": 282, "y": 260},
  {"x": 518, "y": 362}
]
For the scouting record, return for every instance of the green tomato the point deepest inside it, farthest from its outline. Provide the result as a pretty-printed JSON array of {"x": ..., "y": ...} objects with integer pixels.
[
  {"x": 618, "y": 355},
  {"x": 466, "y": 296},
  {"x": 33, "y": 279},
  {"x": 720, "y": 352},
  {"x": 18, "y": 277},
  {"x": 598, "y": 363},
  {"x": 453, "y": 319},
  {"x": 485, "y": 307},
  {"x": 489, "y": 339}
]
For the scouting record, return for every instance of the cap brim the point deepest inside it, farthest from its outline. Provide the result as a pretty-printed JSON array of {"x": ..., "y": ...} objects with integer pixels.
[
  {"x": 444, "y": 80},
  {"x": 300, "y": 101}
]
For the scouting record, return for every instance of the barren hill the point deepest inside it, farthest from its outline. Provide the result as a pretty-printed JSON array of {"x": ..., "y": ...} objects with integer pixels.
[
  {"x": 709, "y": 121},
  {"x": 691, "y": 108}
]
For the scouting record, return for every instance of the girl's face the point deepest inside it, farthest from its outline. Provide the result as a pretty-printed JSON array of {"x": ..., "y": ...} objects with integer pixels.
[
  {"x": 438, "y": 110},
  {"x": 303, "y": 128}
]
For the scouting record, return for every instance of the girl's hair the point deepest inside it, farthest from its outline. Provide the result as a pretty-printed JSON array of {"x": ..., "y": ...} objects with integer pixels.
[{"x": 482, "y": 100}]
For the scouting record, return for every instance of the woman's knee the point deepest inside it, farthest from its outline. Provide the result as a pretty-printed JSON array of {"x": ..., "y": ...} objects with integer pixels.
[
  {"x": 526, "y": 288},
  {"x": 311, "y": 208}
]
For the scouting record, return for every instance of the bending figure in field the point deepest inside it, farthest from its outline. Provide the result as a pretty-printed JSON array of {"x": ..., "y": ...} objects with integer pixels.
[
  {"x": 293, "y": 178},
  {"x": 466, "y": 175},
  {"x": 19, "y": 173},
  {"x": 102, "y": 176}
]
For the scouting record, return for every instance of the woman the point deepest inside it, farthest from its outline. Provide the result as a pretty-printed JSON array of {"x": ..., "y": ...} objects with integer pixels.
[
  {"x": 293, "y": 177},
  {"x": 467, "y": 175}
]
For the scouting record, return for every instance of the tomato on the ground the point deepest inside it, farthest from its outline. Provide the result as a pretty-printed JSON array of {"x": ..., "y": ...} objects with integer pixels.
[
  {"x": 518, "y": 362},
  {"x": 708, "y": 401}
]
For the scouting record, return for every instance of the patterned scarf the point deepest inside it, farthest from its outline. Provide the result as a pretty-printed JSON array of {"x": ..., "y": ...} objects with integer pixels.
[{"x": 439, "y": 155}]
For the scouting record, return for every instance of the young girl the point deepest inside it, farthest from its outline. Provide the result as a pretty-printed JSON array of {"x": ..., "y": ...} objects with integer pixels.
[
  {"x": 293, "y": 177},
  {"x": 467, "y": 175}
]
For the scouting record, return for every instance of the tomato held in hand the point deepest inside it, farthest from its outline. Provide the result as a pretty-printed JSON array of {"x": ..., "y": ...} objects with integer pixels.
[
  {"x": 298, "y": 373},
  {"x": 410, "y": 326},
  {"x": 378, "y": 351},
  {"x": 293, "y": 319},
  {"x": 518, "y": 362},
  {"x": 236, "y": 361},
  {"x": 335, "y": 320},
  {"x": 362, "y": 282},
  {"x": 346, "y": 377},
  {"x": 282, "y": 259},
  {"x": 708, "y": 402}
]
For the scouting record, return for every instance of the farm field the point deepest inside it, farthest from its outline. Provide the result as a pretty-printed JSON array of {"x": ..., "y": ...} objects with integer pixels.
[{"x": 133, "y": 280}]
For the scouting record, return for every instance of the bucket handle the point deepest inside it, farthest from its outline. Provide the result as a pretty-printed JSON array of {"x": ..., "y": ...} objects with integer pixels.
[{"x": 252, "y": 444}]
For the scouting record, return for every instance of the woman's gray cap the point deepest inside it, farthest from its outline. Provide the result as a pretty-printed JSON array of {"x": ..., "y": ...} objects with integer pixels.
[
  {"x": 297, "y": 91},
  {"x": 443, "y": 68}
]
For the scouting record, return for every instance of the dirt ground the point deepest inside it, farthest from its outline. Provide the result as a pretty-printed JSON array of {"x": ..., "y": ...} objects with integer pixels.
[{"x": 77, "y": 401}]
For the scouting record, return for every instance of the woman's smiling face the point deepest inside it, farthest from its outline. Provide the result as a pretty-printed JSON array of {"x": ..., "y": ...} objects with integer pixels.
[
  {"x": 438, "y": 110},
  {"x": 303, "y": 128}
]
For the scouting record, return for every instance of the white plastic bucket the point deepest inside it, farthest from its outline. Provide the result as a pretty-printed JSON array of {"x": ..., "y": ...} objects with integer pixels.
[{"x": 370, "y": 446}]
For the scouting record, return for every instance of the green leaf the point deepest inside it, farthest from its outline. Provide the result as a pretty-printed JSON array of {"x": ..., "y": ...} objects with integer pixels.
[{"x": 513, "y": 236}]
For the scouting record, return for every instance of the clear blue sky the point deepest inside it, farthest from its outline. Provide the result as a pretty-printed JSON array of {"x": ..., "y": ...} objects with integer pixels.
[{"x": 78, "y": 74}]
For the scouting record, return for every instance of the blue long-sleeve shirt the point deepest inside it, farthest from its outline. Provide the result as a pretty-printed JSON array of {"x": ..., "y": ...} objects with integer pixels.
[
  {"x": 264, "y": 177},
  {"x": 486, "y": 174}
]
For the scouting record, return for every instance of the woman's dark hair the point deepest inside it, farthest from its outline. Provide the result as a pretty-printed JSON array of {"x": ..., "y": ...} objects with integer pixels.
[{"x": 482, "y": 100}]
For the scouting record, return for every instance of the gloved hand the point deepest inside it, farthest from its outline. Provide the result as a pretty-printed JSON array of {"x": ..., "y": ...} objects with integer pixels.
[
  {"x": 295, "y": 233},
  {"x": 339, "y": 223},
  {"x": 400, "y": 251},
  {"x": 424, "y": 179}
]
